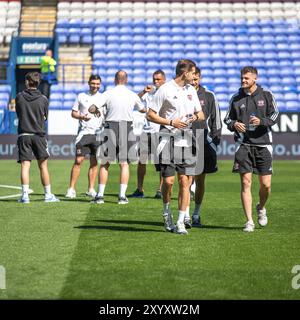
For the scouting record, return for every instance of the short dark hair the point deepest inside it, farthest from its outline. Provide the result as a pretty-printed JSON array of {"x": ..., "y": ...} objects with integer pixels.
[
  {"x": 95, "y": 77},
  {"x": 184, "y": 65},
  {"x": 198, "y": 71},
  {"x": 159, "y": 71},
  {"x": 33, "y": 79},
  {"x": 249, "y": 69}
]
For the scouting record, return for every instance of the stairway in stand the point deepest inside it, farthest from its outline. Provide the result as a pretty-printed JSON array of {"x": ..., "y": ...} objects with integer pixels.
[
  {"x": 38, "y": 18},
  {"x": 75, "y": 65}
]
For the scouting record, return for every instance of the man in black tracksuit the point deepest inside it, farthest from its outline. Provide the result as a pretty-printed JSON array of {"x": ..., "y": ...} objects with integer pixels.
[
  {"x": 32, "y": 111},
  {"x": 252, "y": 112},
  {"x": 212, "y": 134}
]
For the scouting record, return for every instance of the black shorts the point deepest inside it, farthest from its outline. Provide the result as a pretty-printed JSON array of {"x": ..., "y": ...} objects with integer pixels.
[
  {"x": 210, "y": 159},
  {"x": 118, "y": 143},
  {"x": 253, "y": 159},
  {"x": 175, "y": 159},
  {"x": 88, "y": 144},
  {"x": 30, "y": 146}
]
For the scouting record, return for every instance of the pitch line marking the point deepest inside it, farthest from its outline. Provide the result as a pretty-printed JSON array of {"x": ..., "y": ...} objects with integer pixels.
[{"x": 13, "y": 195}]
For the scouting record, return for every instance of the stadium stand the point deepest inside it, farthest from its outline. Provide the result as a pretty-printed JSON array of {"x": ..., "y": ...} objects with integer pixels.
[{"x": 220, "y": 36}]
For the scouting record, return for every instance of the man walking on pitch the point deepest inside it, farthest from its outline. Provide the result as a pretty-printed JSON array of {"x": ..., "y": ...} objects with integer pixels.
[
  {"x": 175, "y": 106},
  {"x": 251, "y": 114},
  {"x": 86, "y": 142},
  {"x": 212, "y": 134},
  {"x": 32, "y": 112}
]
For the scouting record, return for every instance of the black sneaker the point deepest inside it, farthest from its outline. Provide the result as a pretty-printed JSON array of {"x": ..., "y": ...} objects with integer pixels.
[
  {"x": 196, "y": 221},
  {"x": 158, "y": 194},
  {"x": 137, "y": 194}
]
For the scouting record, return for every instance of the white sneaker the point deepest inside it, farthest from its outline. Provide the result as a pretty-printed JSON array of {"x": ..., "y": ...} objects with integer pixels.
[
  {"x": 249, "y": 227},
  {"x": 24, "y": 198},
  {"x": 51, "y": 198},
  {"x": 91, "y": 194},
  {"x": 187, "y": 222},
  {"x": 71, "y": 193},
  {"x": 122, "y": 200},
  {"x": 180, "y": 228},
  {"x": 262, "y": 218},
  {"x": 98, "y": 199},
  {"x": 168, "y": 221}
]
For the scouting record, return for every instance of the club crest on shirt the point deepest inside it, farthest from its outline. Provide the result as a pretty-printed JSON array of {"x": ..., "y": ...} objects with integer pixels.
[
  {"x": 190, "y": 97},
  {"x": 260, "y": 103},
  {"x": 242, "y": 106}
]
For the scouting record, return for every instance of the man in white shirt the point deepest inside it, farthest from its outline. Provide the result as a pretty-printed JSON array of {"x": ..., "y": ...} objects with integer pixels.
[
  {"x": 148, "y": 138},
  {"x": 175, "y": 106},
  {"x": 120, "y": 103},
  {"x": 86, "y": 142}
]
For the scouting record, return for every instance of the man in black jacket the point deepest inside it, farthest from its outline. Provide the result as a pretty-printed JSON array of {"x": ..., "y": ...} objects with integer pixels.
[
  {"x": 32, "y": 111},
  {"x": 252, "y": 112},
  {"x": 212, "y": 134}
]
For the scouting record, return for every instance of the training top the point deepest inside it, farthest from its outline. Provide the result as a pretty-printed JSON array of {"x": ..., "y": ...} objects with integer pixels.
[
  {"x": 82, "y": 103},
  {"x": 120, "y": 103},
  {"x": 172, "y": 101},
  {"x": 32, "y": 111},
  {"x": 149, "y": 127},
  {"x": 212, "y": 124},
  {"x": 260, "y": 103}
]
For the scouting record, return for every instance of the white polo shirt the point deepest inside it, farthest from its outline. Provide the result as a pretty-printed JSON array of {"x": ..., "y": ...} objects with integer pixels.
[
  {"x": 82, "y": 103},
  {"x": 120, "y": 103},
  {"x": 149, "y": 127},
  {"x": 172, "y": 101}
]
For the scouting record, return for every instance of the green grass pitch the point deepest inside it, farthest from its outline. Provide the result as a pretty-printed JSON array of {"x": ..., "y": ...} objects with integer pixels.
[{"x": 78, "y": 250}]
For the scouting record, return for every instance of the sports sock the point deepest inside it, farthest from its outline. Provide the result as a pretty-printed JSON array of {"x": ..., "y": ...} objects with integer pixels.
[
  {"x": 25, "y": 188},
  {"x": 181, "y": 216},
  {"x": 123, "y": 188},
  {"x": 47, "y": 189},
  {"x": 101, "y": 188}
]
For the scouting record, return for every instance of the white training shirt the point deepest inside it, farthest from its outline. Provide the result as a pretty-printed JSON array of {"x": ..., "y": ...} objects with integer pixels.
[
  {"x": 120, "y": 103},
  {"x": 172, "y": 101},
  {"x": 149, "y": 127},
  {"x": 82, "y": 103}
]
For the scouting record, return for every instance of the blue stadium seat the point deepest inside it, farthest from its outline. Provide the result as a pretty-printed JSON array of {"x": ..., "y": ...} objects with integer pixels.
[
  {"x": 55, "y": 105},
  {"x": 4, "y": 96},
  {"x": 69, "y": 96},
  {"x": 292, "y": 105},
  {"x": 290, "y": 96},
  {"x": 3, "y": 104},
  {"x": 5, "y": 88}
]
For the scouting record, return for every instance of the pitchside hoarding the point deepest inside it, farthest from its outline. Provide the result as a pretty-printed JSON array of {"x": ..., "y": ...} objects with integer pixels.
[{"x": 286, "y": 137}]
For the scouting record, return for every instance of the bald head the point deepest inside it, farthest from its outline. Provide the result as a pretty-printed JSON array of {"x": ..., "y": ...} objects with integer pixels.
[{"x": 121, "y": 77}]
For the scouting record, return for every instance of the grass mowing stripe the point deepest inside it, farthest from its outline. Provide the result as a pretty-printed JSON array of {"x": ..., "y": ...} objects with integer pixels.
[{"x": 37, "y": 239}]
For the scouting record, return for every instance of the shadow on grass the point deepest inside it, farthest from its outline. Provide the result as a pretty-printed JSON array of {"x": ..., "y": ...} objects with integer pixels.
[
  {"x": 156, "y": 223},
  {"x": 146, "y": 223},
  {"x": 117, "y": 228}
]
